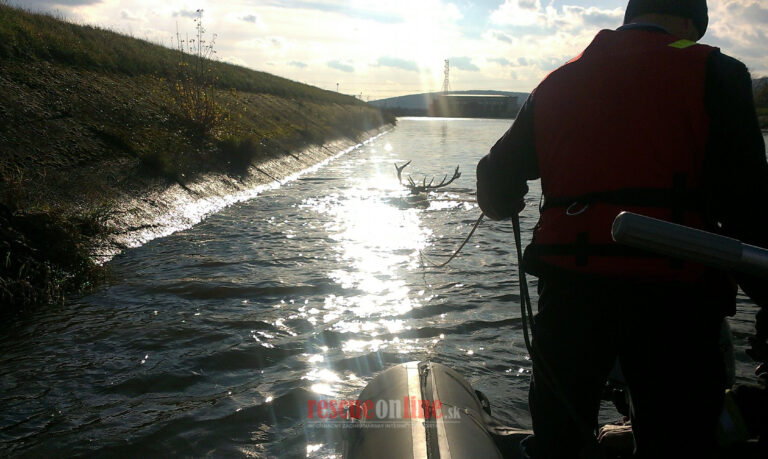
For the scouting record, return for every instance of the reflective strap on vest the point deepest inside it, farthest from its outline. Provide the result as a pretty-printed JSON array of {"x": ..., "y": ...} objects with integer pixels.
[{"x": 682, "y": 44}]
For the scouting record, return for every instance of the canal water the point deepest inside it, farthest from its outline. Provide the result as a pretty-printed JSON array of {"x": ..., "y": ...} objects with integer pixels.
[{"x": 212, "y": 341}]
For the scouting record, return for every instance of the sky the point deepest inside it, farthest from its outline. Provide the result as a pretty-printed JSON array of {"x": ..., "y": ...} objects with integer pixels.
[{"x": 384, "y": 48}]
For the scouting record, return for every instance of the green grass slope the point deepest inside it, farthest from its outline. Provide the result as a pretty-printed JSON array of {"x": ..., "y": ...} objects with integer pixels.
[
  {"x": 30, "y": 36},
  {"x": 86, "y": 114}
]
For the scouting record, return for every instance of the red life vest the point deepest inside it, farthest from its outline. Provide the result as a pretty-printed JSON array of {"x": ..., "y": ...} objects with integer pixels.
[{"x": 623, "y": 126}]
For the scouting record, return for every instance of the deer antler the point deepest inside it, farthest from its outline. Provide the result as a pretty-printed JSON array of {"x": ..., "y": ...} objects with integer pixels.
[
  {"x": 415, "y": 188},
  {"x": 400, "y": 171}
]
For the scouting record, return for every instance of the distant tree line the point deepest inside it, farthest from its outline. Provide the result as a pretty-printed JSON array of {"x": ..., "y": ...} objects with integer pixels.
[
  {"x": 761, "y": 96},
  {"x": 760, "y": 89}
]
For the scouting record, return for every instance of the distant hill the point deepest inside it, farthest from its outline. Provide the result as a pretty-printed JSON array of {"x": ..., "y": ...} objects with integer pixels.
[
  {"x": 424, "y": 100},
  {"x": 418, "y": 102}
]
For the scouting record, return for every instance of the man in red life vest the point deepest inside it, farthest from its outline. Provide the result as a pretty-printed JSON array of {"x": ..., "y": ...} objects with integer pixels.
[{"x": 644, "y": 120}]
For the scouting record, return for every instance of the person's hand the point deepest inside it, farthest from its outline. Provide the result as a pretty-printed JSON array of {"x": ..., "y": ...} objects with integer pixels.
[
  {"x": 495, "y": 210},
  {"x": 493, "y": 204}
]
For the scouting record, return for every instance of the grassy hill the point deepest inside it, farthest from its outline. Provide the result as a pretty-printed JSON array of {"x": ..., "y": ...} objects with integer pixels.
[{"x": 86, "y": 114}]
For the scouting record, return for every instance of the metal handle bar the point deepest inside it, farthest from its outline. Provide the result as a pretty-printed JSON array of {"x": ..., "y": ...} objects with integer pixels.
[{"x": 680, "y": 241}]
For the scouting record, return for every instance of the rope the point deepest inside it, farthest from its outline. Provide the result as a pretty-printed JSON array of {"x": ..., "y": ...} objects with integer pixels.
[
  {"x": 526, "y": 312},
  {"x": 544, "y": 372},
  {"x": 456, "y": 252}
]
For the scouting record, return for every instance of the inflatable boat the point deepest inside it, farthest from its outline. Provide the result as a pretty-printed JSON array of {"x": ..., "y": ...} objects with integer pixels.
[{"x": 426, "y": 410}]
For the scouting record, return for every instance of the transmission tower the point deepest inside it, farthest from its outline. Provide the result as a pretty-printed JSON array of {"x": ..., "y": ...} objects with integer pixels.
[{"x": 446, "y": 83}]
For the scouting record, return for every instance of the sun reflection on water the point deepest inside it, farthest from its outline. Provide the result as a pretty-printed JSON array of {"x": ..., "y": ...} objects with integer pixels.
[
  {"x": 376, "y": 243},
  {"x": 323, "y": 380}
]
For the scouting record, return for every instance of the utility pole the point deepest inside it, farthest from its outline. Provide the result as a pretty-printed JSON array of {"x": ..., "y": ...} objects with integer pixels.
[
  {"x": 446, "y": 83},
  {"x": 337, "y": 87}
]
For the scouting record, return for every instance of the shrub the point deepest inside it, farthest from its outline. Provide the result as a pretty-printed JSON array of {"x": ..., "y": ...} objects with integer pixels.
[
  {"x": 45, "y": 256},
  {"x": 193, "y": 88}
]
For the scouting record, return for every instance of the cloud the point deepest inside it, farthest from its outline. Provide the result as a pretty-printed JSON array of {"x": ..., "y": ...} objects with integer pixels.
[
  {"x": 568, "y": 17},
  {"x": 518, "y": 12},
  {"x": 464, "y": 63},
  {"x": 543, "y": 34},
  {"x": 740, "y": 28},
  {"x": 397, "y": 63},
  {"x": 267, "y": 42},
  {"x": 500, "y": 61},
  {"x": 185, "y": 14},
  {"x": 600, "y": 18},
  {"x": 270, "y": 44},
  {"x": 549, "y": 63},
  {"x": 374, "y": 11},
  {"x": 252, "y": 18},
  {"x": 341, "y": 66},
  {"x": 501, "y": 36},
  {"x": 748, "y": 10},
  {"x": 491, "y": 37},
  {"x": 580, "y": 18},
  {"x": 128, "y": 16}
]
